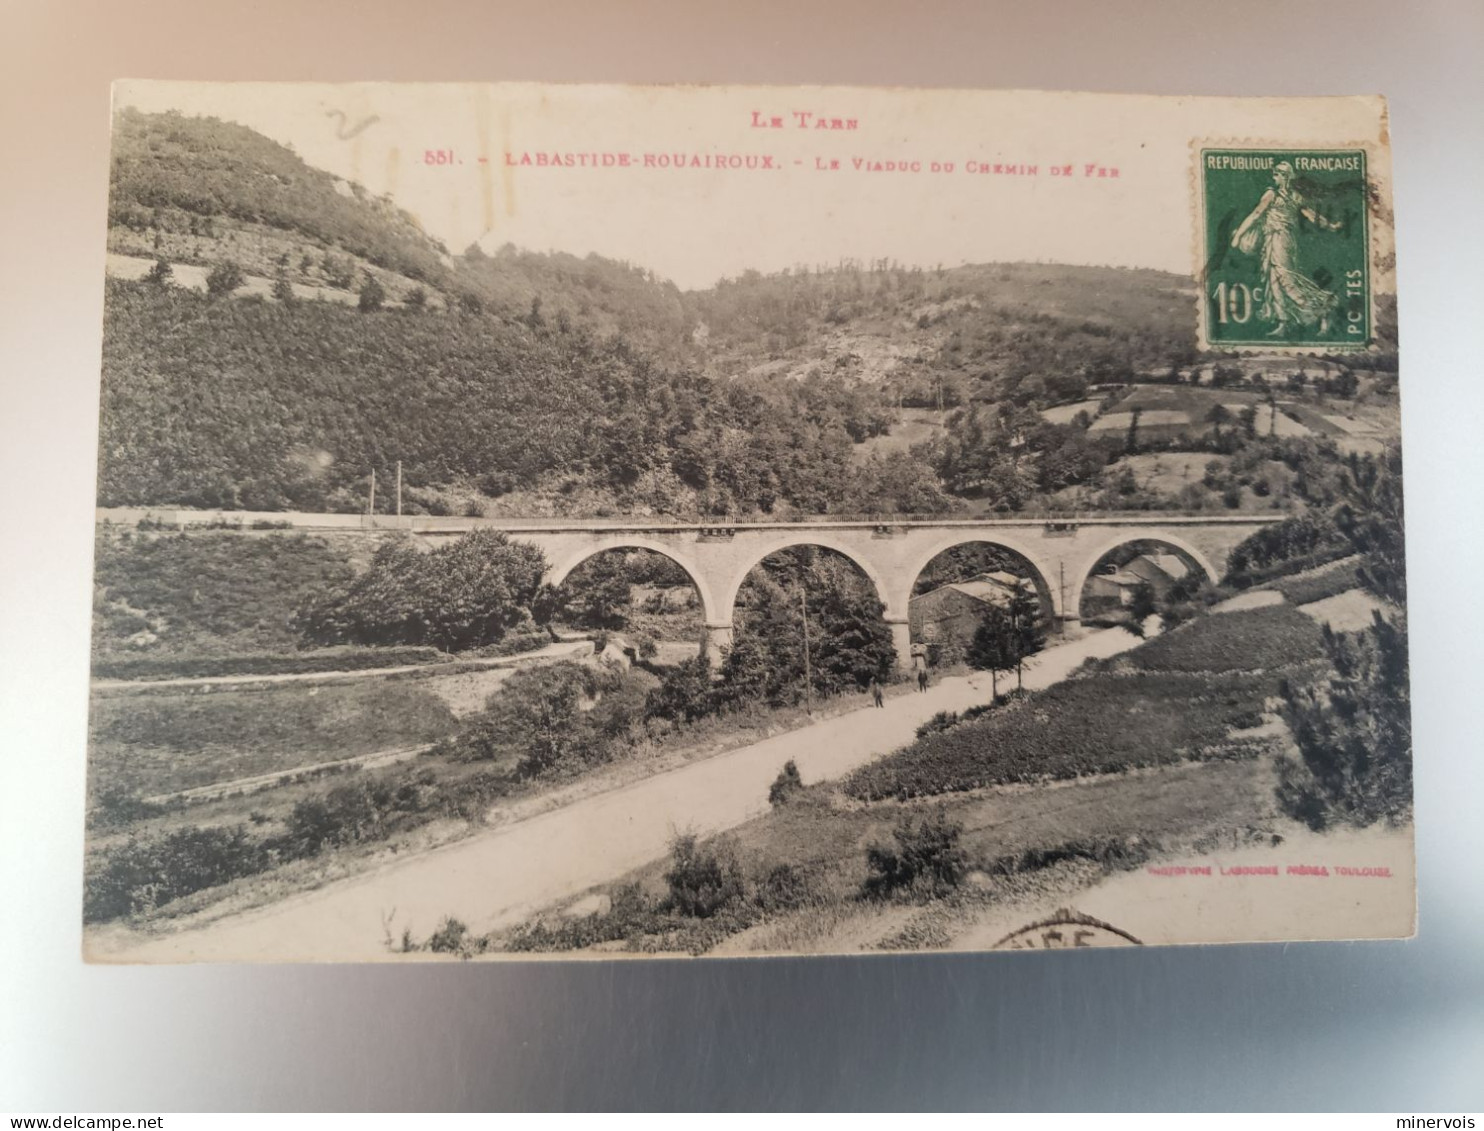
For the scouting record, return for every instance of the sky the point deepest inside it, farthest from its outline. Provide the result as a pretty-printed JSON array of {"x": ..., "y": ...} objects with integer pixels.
[{"x": 814, "y": 196}]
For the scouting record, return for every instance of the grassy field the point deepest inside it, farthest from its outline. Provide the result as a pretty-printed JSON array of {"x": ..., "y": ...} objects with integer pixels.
[
  {"x": 155, "y": 744},
  {"x": 211, "y": 593},
  {"x": 915, "y": 426}
]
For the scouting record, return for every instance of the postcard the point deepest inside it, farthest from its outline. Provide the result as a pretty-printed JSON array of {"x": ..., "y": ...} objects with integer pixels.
[{"x": 597, "y": 522}]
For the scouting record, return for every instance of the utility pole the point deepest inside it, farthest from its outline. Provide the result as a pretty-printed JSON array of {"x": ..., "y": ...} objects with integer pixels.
[
  {"x": 371, "y": 505},
  {"x": 808, "y": 675},
  {"x": 399, "y": 488}
]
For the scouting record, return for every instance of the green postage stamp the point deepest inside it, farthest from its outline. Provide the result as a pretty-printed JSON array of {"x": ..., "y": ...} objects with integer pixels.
[{"x": 1285, "y": 247}]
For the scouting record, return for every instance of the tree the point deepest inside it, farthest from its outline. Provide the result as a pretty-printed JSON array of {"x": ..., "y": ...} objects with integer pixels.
[
  {"x": 372, "y": 294},
  {"x": 686, "y": 693},
  {"x": 283, "y": 290},
  {"x": 596, "y": 593},
  {"x": 992, "y": 648},
  {"x": 537, "y": 718},
  {"x": 1354, "y": 730},
  {"x": 1218, "y": 416},
  {"x": 416, "y": 299},
  {"x": 1027, "y": 629},
  {"x": 1353, "y": 733},
  {"x": 224, "y": 278},
  {"x": 455, "y": 597},
  {"x": 1131, "y": 443},
  {"x": 161, "y": 274},
  {"x": 1008, "y": 633},
  {"x": 1141, "y": 606}
]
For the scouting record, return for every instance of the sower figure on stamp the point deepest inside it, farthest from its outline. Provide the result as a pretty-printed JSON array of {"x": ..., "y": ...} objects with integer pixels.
[{"x": 1288, "y": 295}]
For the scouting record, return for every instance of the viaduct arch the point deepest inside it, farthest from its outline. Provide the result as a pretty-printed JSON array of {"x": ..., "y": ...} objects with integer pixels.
[{"x": 1062, "y": 551}]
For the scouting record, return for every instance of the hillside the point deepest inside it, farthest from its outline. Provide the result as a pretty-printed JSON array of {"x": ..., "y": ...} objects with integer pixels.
[
  {"x": 547, "y": 383},
  {"x": 1033, "y": 332},
  {"x": 268, "y": 405}
]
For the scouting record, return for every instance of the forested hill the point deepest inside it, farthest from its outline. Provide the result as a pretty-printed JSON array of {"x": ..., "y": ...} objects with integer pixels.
[
  {"x": 201, "y": 191},
  {"x": 548, "y": 383},
  {"x": 175, "y": 174},
  {"x": 248, "y": 403},
  {"x": 1028, "y": 331}
]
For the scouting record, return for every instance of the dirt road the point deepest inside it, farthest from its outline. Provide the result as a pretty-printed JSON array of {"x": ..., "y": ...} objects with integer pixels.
[{"x": 498, "y": 877}]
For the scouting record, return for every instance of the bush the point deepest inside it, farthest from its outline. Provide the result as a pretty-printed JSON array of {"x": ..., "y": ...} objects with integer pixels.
[
  {"x": 141, "y": 875},
  {"x": 1353, "y": 733},
  {"x": 927, "y": 858},
  {"x": 1338, "y": 578},
  {"x": 941, "y": 721},
  {"x": 563, "y": 716},
  {"x": 686, "y": 693},
  {"x": 784, "y": 887},
  {"x": 786, "y": 784},
  {"x": 702, "y": 879},
  {"x": 224, "y": 278},
  {"x": 372, "y": 294},
  {"x": 345, "y": 815},
  {"x": 449, "y": 938},
  {"x": 116, "y": 806},
  {"x": 455, "y": 597}
]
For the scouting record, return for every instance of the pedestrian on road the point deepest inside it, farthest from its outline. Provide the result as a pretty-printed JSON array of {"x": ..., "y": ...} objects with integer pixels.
[
  {"x": 922, "y": 680},
  {"x": 876, "y": 696}
]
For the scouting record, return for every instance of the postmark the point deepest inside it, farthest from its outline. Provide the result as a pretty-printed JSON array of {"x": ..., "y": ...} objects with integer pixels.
[
  {"x": 1284, "y": 247},
  {"x": 1066, "y": 930}
]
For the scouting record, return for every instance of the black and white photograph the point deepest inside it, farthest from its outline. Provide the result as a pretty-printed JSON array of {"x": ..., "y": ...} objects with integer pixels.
[{"x": 603, "y": 522}]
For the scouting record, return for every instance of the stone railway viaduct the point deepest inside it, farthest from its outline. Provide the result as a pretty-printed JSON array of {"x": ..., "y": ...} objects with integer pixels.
[{"x": 717, "y": 555}]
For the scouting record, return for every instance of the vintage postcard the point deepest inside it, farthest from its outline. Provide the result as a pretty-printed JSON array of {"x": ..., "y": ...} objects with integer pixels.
[{"x": 598, "y": 522}]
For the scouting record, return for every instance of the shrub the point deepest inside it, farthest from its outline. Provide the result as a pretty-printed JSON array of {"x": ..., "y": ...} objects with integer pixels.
[
  {"x": 784, "y": 887},
  {"x": 455, "y": 597},
  {"x": 686, "y": 693},
  {"x": 558, "y": 716},
  {"x": 927, "y": 858},
  {"x": 116, "y": 806},
  {"x": 703, "y": 879},
  {"x": 1353, "y": 732},
  {"x": 224, "y": 278},
  {"x": 786, "y": 784},
  {"x": 372, "y": 294},
  {"x": 941, "y": 721},
  {"x": 345, "y": 815},
  {"x": 141, "y": 875},
  {"x": 449, "y": 937}
]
